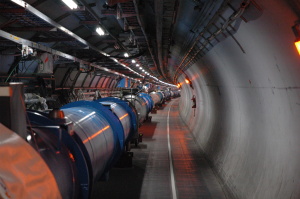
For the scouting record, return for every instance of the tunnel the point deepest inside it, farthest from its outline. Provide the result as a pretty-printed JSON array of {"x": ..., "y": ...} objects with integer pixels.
[
  {"x": 246, "y": 115},
  {"x": 214, "y": 80}
]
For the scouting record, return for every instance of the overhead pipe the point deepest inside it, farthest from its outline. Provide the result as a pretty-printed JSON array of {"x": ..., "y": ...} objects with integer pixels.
[
  {"x": 222, "y": 7},
  {"x": 142, "y": 28},
  {"x": 224, "y": 27},
  {"x": 29, "y": 43},
  {"x": 87, "y": 7},
  {"x": 232, "y": 18},
  {"x": 172, "y": 32},
  {"x": 13, "y": 113},
  {"x": 57, "y": 25},
  {"x": 158, "y": 19}
]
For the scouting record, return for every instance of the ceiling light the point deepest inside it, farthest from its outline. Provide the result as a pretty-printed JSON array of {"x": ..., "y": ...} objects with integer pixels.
[
  {"x": 133, "y": 61},
  {"x": 71, "y": 4},
  {"x": 100, "y": 31},
  {"x": 126, "y": 55},
  {"x": 141, "y": 68},
  {"x": 137, "y": 65},
  {"x": 28, "y": 138},
  {"x": 19, "y": 2}
]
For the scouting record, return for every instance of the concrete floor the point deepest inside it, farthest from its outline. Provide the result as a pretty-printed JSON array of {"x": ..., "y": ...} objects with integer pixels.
[{"x": 150, "y": 176}]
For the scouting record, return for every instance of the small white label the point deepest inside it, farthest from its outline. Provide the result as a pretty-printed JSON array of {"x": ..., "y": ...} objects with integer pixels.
[{"x": 5, "y": 91}]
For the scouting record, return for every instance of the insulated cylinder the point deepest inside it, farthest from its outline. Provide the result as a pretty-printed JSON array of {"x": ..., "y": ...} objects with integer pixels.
[
  {"x": 148, "y": 100},
  {"x": 99, "y": 133},
  {"x": 139, "y": 104},
  {"x": 156, "y": 97},
  {"x": 130, "y": 109},
  {"x": 122, "y": 115}
]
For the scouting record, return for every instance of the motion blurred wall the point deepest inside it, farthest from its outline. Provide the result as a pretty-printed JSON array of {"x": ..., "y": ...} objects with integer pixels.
[{"x": 247, "y": 119}]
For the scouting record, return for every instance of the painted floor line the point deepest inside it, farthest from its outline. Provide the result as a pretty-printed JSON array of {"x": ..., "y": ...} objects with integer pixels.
[{"x": 173, "y": 185}]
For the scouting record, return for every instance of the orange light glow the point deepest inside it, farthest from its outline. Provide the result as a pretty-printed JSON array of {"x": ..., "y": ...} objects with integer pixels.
[
  {"x": 178, "y": 85},
  {"x": 71, "y": 157},
  {"x": 297, "y": 44},
  {"x": 123, "y": 116},
  {"x": 95, "y": 134},
  {"x": 187, "y": 81}
]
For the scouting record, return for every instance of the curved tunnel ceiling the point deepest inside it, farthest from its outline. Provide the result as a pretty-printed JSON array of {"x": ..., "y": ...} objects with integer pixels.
[{"x": 239, "y": 55}]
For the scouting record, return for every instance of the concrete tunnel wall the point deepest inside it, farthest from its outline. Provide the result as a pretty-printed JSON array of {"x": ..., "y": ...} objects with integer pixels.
[{"x": 247, "y": 119}]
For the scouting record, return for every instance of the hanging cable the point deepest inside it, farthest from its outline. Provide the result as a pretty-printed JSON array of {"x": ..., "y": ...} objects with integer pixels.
[{"x": 13, "y": 70}]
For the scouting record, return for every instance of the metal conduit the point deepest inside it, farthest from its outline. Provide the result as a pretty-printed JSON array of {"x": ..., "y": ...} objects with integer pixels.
[
  {"x": 140, "y": 23},
  {"x": 222, "y": 8},
  {"x": 231, "y": 19},
  {"x": 206, "y": 10},
  {"x": 68, "y": 32},
  {"x": 224, "y": 27}
]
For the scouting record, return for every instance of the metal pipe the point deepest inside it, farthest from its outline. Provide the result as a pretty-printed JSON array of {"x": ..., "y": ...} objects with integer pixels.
[
  {"x": 232, "y": 18},
  {"x": 71, "y": 34},
  {"x": 87, "y": 7},
  {"x": 158, "y": 19},
  {"x": 224, "y": 27},
  {"x": 22, "y": 41},
  {"x": 13, "y": 110},
  {"x": 45, "y": 78},
  {"x": 140, "y": 23},
  {"x": 222, "y": 7},
  {"x": 100, "y": 133},
  {"x": 140, "y": 106}
]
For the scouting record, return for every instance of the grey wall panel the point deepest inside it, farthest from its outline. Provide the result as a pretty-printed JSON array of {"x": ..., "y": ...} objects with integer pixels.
[
  {"x": 71, "y": 80},
  {"x": 59, "y": 75},
  {"x": 109, "y": 83},
  {"x": 80, "y": 79},
  {"x": 95, "y": 81},
  {"x": 113, "y": 84},
  {"x": 88, "y": 81},
  {"x": 6, "y": 62},
  {"x": 104, "y": 85},
  {"x": 247, "y": 117},
  {"x": 100, "y": 83}
]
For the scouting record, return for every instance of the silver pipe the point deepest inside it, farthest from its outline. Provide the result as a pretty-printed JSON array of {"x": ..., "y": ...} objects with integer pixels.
[
  {"x": 140, "y": 23},
  {"x": 231, "y": 19}
]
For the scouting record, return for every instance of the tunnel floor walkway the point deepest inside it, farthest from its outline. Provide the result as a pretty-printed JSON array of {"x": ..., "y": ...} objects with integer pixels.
[{"x": 186, "y": 175}]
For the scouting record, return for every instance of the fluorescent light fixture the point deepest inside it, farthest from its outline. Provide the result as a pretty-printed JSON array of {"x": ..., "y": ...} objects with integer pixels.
[
  {"x": 19, "y": 2},
  {"x": 100, "y": 31},
  {"x": 133, "y": 61},
  {"x": 71, "y": 4},
  {"x": 141, "y": 68},
  {"x": 126, "y": 55},
  {"x": 137, "y": 65}
]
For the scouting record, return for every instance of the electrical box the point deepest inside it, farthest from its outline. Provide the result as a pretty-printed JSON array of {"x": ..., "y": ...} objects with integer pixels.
[
  {"x": 46, "y": 64},
  {"x": 27, "y": 51}
]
